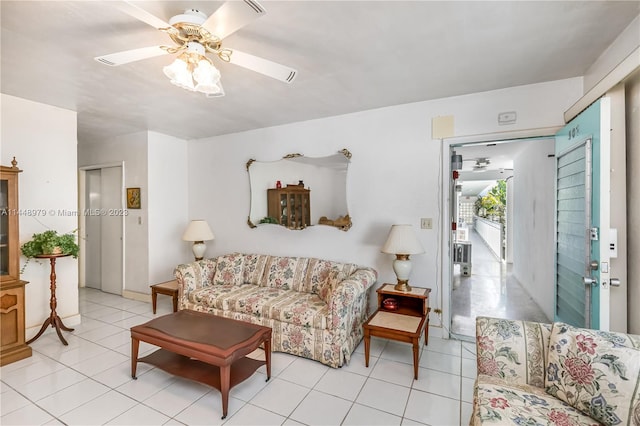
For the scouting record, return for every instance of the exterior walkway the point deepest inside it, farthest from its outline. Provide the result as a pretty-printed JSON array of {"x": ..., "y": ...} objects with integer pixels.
[{"x": 491, "y": 290}]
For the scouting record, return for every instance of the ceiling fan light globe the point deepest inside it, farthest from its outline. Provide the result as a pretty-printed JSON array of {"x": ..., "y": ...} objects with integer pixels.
[
  {"x": 176, "y": 67},
  {"x": 208, "y": 89},
  {"x": 183, "y": 79},
  {"x": 218, "y": 94},
  {"x": 206, "y": 73}
]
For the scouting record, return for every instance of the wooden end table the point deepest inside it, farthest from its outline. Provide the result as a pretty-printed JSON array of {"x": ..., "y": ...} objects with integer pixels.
[
  {"x": 168, "y": 288},
  {"x": 404, "y": 324},
  {"x": 203, "y": 347}
]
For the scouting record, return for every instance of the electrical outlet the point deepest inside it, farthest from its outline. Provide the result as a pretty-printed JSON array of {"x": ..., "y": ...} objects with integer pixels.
[{"x": 425, "y": 223}]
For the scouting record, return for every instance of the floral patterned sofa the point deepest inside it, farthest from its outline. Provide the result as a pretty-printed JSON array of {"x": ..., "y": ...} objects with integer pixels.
[
  {"x": 315, "y": 307},
  {"x": 554, "y": 374}
]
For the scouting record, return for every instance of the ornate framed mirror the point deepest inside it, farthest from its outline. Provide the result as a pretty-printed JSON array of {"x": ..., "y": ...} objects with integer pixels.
[{"x": 297, "y": 191}]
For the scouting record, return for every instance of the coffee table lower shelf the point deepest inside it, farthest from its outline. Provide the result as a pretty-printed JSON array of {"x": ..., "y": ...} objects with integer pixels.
[
  {"x": 190, "y": 368},
  {"x": 203, "y": 347}
]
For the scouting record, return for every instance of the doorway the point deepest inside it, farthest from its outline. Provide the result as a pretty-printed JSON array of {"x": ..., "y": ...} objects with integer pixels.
[
  {"x": 101, "y": 228},
  {"x": 492, "y": 203}
]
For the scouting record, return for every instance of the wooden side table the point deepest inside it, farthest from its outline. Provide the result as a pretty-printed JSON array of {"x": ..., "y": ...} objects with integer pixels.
[
  {"x": 53, "y": 320},
  {"x": 404, "y": 324},
  {"x": 168, "y": 288}
]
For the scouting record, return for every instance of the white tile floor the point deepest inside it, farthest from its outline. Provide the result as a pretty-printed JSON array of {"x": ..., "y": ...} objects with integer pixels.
[{"x": 89, "y": 382}]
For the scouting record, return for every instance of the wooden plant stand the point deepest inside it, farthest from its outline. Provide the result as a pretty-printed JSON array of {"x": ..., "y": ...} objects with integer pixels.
[{"x": 53, "y": 319}]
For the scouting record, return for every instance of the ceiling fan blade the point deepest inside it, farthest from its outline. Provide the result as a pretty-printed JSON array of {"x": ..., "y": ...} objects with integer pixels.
[
  {"x": 232, "y": 16},
  {"x": 263, "y": 66},
  {"x": 120, "y": 58},
  {"x": 142, "y": 15}
]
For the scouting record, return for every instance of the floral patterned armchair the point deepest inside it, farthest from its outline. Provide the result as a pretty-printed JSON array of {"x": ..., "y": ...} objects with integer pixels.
[
  {"x": 315, "y": 307},
  {"x": 554, "y": 374}
]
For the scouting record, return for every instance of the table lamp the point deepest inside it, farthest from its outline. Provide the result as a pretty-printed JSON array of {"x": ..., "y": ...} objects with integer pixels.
[
  {"x": 198, "y": 231},
  {"x": 402, "y": 242}
]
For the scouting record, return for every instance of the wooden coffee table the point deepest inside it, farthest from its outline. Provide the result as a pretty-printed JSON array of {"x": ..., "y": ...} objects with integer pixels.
[{"x": 203, "y": 347}]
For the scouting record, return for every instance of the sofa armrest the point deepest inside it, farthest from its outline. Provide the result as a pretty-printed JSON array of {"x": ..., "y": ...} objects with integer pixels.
[
  {"x": 193, "y": 276},
  {"x": 515, "y": 351},
  {"x": 349, "y": 301}
]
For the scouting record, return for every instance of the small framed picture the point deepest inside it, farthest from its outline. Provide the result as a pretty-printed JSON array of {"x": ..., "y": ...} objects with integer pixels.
[{"x": 133, "y": 198}]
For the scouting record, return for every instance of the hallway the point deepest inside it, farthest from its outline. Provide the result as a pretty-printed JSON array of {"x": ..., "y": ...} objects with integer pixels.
[{"x": 491, "y": 290}]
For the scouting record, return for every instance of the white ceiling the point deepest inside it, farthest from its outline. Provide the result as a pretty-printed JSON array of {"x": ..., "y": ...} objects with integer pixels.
[
  {"x": 350, "y": 56},
  {"x": 500, "y": 167}
]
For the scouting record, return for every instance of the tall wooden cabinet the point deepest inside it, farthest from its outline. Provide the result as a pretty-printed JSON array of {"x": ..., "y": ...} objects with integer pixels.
[
  {"x": 12, "y": 323},
  {"x": 290, "y": 206}
]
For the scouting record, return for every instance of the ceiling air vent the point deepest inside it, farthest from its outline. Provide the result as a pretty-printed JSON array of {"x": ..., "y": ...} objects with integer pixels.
[
  {"x": 106, "y": 62},
  {"x": 255, "y": 6},
  {"x": 291, "y": 76}
]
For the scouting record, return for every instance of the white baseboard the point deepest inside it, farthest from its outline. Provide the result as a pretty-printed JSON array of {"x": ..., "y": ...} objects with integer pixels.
[{"x": 141, "y": 297}]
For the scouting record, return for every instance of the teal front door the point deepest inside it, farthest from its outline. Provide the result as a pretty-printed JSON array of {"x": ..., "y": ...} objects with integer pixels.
[{"x": 582, "y": 219}]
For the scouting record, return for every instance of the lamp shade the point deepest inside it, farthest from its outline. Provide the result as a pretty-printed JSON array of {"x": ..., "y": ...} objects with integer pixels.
[
  {"x": 402, "y": 240},
  {"x": 198, "y": 230}
]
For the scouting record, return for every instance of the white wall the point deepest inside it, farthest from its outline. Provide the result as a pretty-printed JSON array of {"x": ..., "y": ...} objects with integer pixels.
[
  {"x": 132, "y": 149},
  {"x": 490, "y": 232},
  {"x": 618, "y": 297},
  {"x": 43, "y": 140},
  {"x": 533, "y": 207},
  {"x": 509, "y": 221},
  {"x": 393, "y": 176},
  {"x": 633, "y": 203},
  {"x": 167, "y": 206}
]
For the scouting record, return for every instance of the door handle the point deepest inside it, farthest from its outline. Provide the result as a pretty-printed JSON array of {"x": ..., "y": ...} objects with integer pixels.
[
  {"x": 614, "y": 282},
  {"x": 589, "y": 281}
]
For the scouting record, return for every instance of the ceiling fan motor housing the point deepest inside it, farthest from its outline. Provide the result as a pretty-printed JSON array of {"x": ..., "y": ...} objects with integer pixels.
[
  {"x": 190, "y": 16},
  {"x": 187, "y": 28}
]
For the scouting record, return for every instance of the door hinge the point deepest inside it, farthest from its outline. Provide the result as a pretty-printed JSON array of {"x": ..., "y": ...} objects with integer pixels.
[{"x": 593, "y": 234}]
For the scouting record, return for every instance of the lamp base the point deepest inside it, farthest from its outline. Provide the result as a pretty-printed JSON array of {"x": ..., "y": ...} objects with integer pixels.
[
  {"x": 402, "y": 268},
  {"x": 198, "y": 249},
  {"x": 403, "y": 285}
]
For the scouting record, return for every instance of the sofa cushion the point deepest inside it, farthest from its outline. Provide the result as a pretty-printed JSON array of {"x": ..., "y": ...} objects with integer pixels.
[
  {"x": 254, "y": 266},
  {"x": 512, "y": 350},
  {"x": 499, "y": 403},
  {"x": 322, "y": 274},
  {"x": 303, "y": 309},
  {"x": 284, "y": 272},
  {"x": 229, "y": 269},
  {"x": 221, "y": 296},
  {"x": 596, "y": 372}
]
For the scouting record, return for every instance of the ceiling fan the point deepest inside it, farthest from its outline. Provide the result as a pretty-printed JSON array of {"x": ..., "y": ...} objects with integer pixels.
[
  {"x": 194, "y": 35},
  {"x": 481, "y": 164}
]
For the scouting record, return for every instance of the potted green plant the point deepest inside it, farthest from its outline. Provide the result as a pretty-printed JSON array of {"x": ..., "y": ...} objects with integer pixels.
[
  {"x": 268, "y": 219},
  {"x": 50, "y": 242}
]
